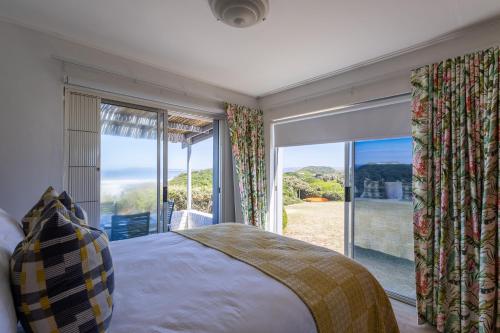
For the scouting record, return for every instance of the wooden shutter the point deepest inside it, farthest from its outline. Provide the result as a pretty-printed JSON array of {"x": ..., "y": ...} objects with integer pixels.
[{"x": 82, "y": 151}]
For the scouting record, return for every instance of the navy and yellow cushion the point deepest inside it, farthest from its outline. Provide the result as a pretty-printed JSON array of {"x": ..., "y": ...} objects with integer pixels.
[
  {"x": 62, "y": 275},
  {"x": 407, "y": 191},
  {"x": 34, "y": 213},
  {"x": 50, "y": 194},
  {"x": 73, "y": 207},
  {"x": 374, "y": 189}
]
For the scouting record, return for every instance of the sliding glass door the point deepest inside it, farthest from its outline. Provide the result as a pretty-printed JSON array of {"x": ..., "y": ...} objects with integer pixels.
[
  {"x": 383, "y": 222},
  {"x": 190, "y": 172},
  {"x": 354, "y": 198},
  {"x": 156, "y": 170},
  {"x": 129, "y": 171}
]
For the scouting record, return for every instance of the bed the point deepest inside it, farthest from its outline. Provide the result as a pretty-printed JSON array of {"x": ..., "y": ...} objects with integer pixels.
[
  {"x": 173, "y": 283},
  {"x": 168, "y": 283},
  {"x": 226, "y": 278}
]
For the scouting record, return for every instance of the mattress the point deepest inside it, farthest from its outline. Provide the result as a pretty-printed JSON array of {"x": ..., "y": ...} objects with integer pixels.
[{"x": 168, "y": 283}]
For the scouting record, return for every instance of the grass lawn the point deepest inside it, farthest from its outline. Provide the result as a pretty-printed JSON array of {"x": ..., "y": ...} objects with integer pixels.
[{"x": 319, "y": 223}]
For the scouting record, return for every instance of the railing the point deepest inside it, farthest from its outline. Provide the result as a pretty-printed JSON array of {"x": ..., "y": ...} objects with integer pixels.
[
  {"x": 181, "y": 219},
  {"x": 185, "y": 219}
]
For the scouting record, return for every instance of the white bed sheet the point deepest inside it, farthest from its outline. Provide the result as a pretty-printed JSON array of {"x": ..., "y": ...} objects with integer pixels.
[{"x": 168, "y": 283}]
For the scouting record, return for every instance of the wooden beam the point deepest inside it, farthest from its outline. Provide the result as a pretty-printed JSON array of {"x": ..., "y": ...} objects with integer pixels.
[
  {"x": 189, "y": 192},
  {"x": 204, "y": 129},
  {"x": 185, "y": 127},
  {"x": 197, "y": 139}
]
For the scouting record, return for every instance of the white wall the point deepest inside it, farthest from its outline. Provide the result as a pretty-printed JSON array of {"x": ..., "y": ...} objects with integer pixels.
[
  {"x": 31, "y": 123},
  {"x": 31, "y": 104}
]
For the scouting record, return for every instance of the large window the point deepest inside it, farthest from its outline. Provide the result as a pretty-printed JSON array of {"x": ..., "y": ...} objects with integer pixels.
[
  {"x": 156, "y": 171},
  {"x": 313, "y": 194},
  {"x": 372, "y": 223}
]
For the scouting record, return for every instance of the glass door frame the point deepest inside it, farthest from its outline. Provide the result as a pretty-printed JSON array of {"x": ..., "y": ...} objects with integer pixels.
[
  {"x": 162, "y": 159},
  {"x": 216, "y": 165},
  {"x": 349, "y": 202},
  {"x": 276, "y": 223},
  {"x": 349, "y": 199},
  {"x": 350, "y": 220}
]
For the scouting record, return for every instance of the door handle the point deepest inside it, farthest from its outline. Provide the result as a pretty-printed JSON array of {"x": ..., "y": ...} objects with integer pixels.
[
  {"x": 347, "y": 194},
  {"x": 165, "y": 193}
]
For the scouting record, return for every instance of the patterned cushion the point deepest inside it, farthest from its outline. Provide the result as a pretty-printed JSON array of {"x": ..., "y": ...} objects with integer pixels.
[
  {"x": 374, "y": 189},
  {"x": 73, "y": 207},
  {"x": 62, "y": 275},
  {"x": 407, "y": 192},
  {"x": 33, "y": 216},
  {"x": 34, "y": 213}
]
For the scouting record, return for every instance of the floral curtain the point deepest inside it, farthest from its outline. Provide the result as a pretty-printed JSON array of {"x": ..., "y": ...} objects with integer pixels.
[
  {"x": 246, "y": 128},
  {"x": 455, "y": 126}
]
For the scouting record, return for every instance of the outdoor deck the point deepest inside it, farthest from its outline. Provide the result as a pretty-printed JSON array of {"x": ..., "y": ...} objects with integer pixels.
[{"x": 181, "y": 219}]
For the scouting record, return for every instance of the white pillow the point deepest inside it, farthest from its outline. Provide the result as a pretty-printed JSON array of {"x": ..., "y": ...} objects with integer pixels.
[
  {"x": 11, "y": 234},
  {"x": 394, "y": 190}
]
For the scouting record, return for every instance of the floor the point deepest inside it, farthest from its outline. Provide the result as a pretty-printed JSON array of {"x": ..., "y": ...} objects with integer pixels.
[
  {"x": 322, "y": 223},
  {"x": 407, "y": 319},
  {"x": 394, "y": 274}
]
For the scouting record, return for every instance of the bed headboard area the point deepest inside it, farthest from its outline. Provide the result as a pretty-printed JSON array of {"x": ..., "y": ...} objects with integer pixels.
[{"x": 10, "y": 235}]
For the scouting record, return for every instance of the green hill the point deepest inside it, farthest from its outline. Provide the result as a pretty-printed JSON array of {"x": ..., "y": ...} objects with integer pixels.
[
  {"x": 201, "y": 186},
  {"x": 313, "y": 181},
  {"x": 384, "y": 172},
  {"x": 199, "y": 178},
  {"x": 318, "y": 169}
]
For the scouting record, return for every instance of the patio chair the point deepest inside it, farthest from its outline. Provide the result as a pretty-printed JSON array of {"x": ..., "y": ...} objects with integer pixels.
[
  {"x": 129, "y": 226},
  {"x": 170, "y": 210}
]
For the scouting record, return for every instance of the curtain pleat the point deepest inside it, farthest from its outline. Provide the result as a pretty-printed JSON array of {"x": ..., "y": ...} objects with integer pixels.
[
  {"x": 246, "y": 128},
  {"x": 455, "y": 129}
]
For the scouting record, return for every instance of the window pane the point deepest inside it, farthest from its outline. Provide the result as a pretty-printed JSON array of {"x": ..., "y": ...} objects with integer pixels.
[
  {"x": 128, "y": 172},
  {"x": 313, "y": 194},
  {"x": 383, "y": 228},
  {"x": 190, "y": 163},
  {"x": 202, "y": 176}
]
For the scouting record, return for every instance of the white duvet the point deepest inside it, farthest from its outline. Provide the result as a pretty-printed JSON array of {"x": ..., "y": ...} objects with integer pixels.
[{"x": 168, "y": 283}]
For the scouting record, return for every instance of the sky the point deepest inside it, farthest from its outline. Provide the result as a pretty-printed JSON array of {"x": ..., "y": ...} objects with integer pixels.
[
  {"x": 332, "y": 154},
  {"x": 123, "y": 152},
  {"x": 329, "y": 154},
  {"x": 384, "y": 151}
]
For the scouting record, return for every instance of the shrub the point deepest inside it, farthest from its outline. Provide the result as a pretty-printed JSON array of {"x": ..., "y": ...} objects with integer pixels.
[
  {"x": 312, "y": 182},
  {"x": 201, "y": 198},
  {"x": 333, "y": 196},
  {"x": 284, "y": 219},
  {"x": 142, "y": 198},
  {"x": 137, "y": 199}
]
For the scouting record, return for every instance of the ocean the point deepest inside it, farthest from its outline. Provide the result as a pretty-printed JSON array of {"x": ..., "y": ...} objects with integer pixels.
[{"x": 113, "y": 182}]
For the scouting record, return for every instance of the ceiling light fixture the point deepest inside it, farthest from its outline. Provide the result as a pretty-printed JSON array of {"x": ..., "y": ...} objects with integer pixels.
[{"x": 240, "y": 13}]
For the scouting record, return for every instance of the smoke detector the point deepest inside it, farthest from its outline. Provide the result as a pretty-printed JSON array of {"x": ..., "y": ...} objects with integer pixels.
[{"x": 240, "y": 13}]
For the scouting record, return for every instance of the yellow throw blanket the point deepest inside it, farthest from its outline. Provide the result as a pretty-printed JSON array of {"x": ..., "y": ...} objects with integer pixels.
[{"x": 340, "y": 293}]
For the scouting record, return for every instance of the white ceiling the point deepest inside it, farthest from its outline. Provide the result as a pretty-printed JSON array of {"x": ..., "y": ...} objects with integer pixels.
[{"x": 300, "y": 39}]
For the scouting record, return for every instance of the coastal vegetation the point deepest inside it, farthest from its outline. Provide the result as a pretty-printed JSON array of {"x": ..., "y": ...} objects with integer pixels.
[
  {"x": 313, "y": 182},
  {"x": 142, "y": 197}
]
